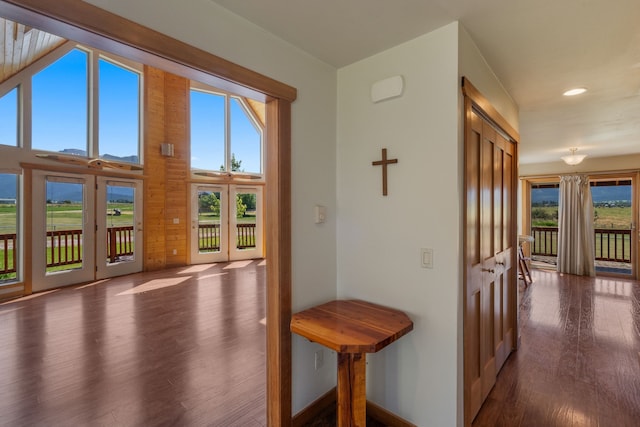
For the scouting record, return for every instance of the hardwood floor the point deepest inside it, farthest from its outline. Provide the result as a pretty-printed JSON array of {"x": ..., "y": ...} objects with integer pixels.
[
  {"x": 184, "y": 347},
  {"x": 579, "y": 360}
]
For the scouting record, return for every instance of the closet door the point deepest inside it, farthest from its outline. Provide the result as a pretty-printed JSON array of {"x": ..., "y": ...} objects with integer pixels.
[{"x": 489, "y": 257}]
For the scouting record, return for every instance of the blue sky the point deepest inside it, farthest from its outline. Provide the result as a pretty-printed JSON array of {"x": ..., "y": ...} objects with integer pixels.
[{"x": 59, "y": 115}]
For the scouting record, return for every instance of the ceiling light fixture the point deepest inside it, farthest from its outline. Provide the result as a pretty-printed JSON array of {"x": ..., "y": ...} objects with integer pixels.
[
  {"x": 574, "y": 158},
  {"x": 576, "y": 91}
]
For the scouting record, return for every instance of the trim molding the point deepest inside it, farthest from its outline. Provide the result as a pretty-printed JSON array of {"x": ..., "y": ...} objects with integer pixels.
[
  {"x": 318, "y": 406},
  {"x": 474, "y": 94}
]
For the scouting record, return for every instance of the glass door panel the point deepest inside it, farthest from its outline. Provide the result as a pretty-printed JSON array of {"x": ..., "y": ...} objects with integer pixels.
[
  {"x": 245, "y": 222},
  {"x": 62, "y": 230},
  {"x": 119, "y": 226},
  {"x": 209, "y": 224}
]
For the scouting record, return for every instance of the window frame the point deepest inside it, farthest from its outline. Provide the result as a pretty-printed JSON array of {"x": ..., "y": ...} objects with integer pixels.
[
  {"x": 253, "y": 119},
  {"x": 23, "y": 82}
]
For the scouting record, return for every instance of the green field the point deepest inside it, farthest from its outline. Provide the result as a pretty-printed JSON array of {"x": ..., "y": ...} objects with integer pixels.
[{"x": 605, "y": 217}]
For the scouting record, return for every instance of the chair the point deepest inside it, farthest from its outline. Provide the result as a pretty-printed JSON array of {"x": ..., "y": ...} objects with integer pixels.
[{"x": 523, "y": 271}]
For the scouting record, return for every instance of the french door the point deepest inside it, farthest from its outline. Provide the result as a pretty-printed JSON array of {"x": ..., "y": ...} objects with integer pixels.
[
  {"x": 84, "y": 228},
  {"x": 226, "y": 223}
]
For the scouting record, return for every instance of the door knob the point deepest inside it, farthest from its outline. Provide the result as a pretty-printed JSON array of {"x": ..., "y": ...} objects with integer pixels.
[{"x": 489, "y": 270}]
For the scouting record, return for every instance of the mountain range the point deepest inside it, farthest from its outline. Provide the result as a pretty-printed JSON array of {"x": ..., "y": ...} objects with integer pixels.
[{"x": 598, "y": 194}]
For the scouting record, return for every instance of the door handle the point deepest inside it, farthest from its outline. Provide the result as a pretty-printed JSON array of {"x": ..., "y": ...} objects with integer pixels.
[{"x": 489, "y": 270}]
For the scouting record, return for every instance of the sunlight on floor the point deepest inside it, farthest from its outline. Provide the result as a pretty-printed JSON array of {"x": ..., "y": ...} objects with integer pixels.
[
  {"x": 155, "y": 284},
  {"x": 196, "y": 268},
  {"x": 39, "y": 294},
  {"x": 210, "y": 275},
  {"x": 238, "y": 264},
  {"x": 92, "y": 284}
]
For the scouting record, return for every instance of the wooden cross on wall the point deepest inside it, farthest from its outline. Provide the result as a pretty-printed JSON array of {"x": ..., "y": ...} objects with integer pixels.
[{"x": 384, "y": 162}]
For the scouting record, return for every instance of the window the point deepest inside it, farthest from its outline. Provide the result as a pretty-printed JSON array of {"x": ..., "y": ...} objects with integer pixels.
[
  {"x": 8, "y": 227},
  {"x": 9, "y": 118},
  {"x": 119, "y": 112},
  {"x": 225, "y": 136},
  {"x": 246, "y": 139},
  {"x": 59, "y": 105},
  {"x": 67, "y": 117},
  {"x": 207, "y": 130}
]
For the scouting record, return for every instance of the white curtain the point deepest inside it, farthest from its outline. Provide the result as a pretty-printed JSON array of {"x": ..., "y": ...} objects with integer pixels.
[{"x": 576, "y": 245}]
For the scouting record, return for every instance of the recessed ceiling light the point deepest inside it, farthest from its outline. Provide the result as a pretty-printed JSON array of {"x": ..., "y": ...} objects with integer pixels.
[{"x": 576, "y": 91}]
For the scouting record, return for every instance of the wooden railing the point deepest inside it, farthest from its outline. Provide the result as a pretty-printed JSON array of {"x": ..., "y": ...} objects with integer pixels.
[
  {"x": 8, "y": 248},
  {"x": 209, "y": 236},
  {"x": 65, "y": 246},
  {"x": 119, "y": 242},
  {"x": 246, "y": 236},
  {"x": 610, "y": 244}
]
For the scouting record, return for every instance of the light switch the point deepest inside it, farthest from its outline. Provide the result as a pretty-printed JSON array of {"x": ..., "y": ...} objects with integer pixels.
[
  {"x": 426, "y": 257},
  {"x": 176, "y": 220},
  {"x": 320, "y": 214}
]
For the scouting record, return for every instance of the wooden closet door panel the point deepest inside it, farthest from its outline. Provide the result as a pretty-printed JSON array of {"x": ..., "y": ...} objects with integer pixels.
[
  {"x": 473, "y": 368},
  {"x": 488, "y": 250}
]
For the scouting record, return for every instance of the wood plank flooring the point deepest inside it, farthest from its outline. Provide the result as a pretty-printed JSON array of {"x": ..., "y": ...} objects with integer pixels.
[
  {"x": 579, "y": 360},
  {"x": 184, "y": 347}
]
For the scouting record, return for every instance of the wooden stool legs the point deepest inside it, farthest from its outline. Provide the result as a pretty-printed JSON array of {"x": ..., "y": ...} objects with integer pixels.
[
  {"x": 352, "y": 397},
  {"x": 524, "y": 268}
]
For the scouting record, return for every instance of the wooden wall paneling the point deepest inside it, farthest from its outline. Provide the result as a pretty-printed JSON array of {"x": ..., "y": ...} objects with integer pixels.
[
  {"x": 176, "y": 91},
  {"x": 154, "y": 185}
]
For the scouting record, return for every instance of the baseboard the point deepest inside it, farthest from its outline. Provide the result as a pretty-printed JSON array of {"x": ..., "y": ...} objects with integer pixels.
[
  {"x": 314, "y": 409},
  {"x": 385, "y": 417},
  {"x": 328, "y": 399}
]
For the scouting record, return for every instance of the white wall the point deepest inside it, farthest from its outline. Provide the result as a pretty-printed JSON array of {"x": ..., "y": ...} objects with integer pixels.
[
  {"x": 379, "y": 238},
  {"x": 206, "y": 25},
  {"x": 473, "y": 65}
]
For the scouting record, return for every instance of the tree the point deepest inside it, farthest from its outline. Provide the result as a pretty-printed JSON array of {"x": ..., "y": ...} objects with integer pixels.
[
  {"x": 236, "y": 165},
  {"x": 249, "y": 199},
  {"x": 241, "y": 208},
  {"x": 209, "y": 203}
]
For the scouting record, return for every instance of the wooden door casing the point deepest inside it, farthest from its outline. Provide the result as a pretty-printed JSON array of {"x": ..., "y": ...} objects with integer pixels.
[{"x": 490, "y": 281}]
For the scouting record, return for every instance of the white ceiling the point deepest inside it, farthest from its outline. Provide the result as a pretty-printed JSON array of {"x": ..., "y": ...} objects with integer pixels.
[{"x": 537, "y": 48}]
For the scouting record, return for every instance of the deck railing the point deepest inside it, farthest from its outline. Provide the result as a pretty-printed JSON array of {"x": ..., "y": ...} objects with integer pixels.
[
  {"x": 65, "y": 246},
  {"x": 119, "y": 242},
  {"x": 610, "y": 244},
  {"x": 8, "y": 259},
  {"x": 209, "y": 237}
]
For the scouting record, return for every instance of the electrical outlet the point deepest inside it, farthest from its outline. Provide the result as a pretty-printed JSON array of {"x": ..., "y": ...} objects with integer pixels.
[{"x": 319, "y": 359}]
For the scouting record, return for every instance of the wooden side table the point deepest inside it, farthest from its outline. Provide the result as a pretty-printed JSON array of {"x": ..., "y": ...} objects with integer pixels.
[{"x": 352, "y": 328}]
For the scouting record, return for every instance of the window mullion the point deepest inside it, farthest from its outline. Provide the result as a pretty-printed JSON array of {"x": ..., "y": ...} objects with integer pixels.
[
  {"x": 92, "y": 107},
  {"x": 227, "y": 133},
  {"x": 24, "y": 114}
]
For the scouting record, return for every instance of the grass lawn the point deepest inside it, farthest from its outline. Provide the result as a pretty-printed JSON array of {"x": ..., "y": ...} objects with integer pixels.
[{"x": 613, "y": 217}]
